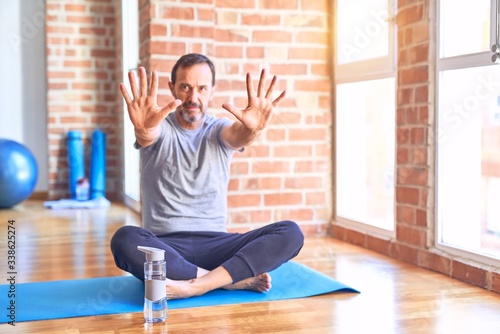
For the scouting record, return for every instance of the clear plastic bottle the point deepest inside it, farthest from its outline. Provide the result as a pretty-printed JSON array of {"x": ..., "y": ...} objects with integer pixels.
[{"x": 155, "y": 297}]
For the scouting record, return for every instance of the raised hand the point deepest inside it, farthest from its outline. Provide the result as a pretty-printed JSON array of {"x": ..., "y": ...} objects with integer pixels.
[
  {"x": 258, "y": 112},
  {"x": 143, "y": 109}
]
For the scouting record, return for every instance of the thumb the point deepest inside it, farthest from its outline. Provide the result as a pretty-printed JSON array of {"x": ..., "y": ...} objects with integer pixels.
[
  {"x": 233, "y": 110},
  {"x": 170, "y": 107}
]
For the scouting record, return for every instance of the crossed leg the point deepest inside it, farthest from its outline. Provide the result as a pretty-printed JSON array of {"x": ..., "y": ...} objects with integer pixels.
[{"x": 198, "y": 262}]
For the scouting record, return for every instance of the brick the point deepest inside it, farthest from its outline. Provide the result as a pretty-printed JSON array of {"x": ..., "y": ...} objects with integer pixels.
[
  {"x": 355, "y": 237},
  {"x": 289, "y": 69},
  {"x": 418, "y": 136},
  {"x": 282, "y": 199},
  {"x": 243, "y": 200},
  {"x": 402, "y": 155},
  {"x": 77, "y": 63},
  {"x": 238, "y": 4},
  {"x": 307, "y": 134},
  {"x": 315, "y": 198},
  {"x": 434, "y": 262},
  {"x": 406, "y": 214},
  {"x": 495, "y": 282},
  {"x": 204, "y": 14},
  {"x": 229, "y": 51},
  {"x": 418, "y": 156},
  {"x": 232, "y": 35},
  {"x": 261, "y": 183},
  {"x": 402, "y": 136},
  {"x": 312, "y": 166},
  {"x": 265, "y": 167},
  {"x": 404, "y": 252},
  {"x": 298, "y": 215},
  {"x": 407, "y": 195},
  {"x": 80, "y": 19},
  {"x": 254, "y": 52},
  {"x": 278, "y": 4},
  {"x": 421, "y": 218},
  {"x": 304, "y": 183},
  {"x": 422, "y": 94},
  {"x": 410, "y": 234},
  {"x": 410, "y": 15},
  {"x": 261, "y": 216},
  {"x": 377, "y": 244},
  {"x": 292, "y": 151},
  {"x": 75, "y": 8},
  {"x": 307, "y": 53},
  {"x": 317, "y": 85},
  {"x": 269, "y": 36},
  {"x": 414, "y": 75},
  {"x": 177, "y": 13},
  {"x": 260, "y": 20},
  {"x": 255, "y": 150},
  {"x": 304, "y": 21},
  {"x": 417, "y": 176},
  {"x": 317, "y": 6},
  {"x": 469, "y": 273}
]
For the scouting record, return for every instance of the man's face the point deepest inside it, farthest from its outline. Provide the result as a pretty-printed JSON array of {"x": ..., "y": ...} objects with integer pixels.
[{"x": 194, "y": 88}]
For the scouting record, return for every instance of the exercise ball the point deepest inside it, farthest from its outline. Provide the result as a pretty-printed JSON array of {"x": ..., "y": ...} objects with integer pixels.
[{"x": 18, "y": 173}]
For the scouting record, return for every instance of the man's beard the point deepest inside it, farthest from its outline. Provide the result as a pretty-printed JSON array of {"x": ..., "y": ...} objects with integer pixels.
[{"x": 186, "y": 115}]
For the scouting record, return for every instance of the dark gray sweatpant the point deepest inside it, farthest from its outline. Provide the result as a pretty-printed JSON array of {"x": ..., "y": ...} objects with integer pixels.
[{"x": 242, "y": 255}]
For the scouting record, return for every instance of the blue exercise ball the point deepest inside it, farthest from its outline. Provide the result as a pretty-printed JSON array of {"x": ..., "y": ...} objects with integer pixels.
[{"x": 18, "y": 173}]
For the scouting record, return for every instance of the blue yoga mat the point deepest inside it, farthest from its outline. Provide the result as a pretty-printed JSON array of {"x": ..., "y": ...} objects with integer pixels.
[{"x": 124, "y": 294}]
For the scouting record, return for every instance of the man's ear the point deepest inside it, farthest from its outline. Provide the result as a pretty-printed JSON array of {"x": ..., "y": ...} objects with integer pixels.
[{"x": 172, "y": 90}]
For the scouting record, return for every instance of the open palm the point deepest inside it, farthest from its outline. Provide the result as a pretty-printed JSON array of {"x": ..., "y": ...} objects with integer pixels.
[
  {"x": 143, "y": 110},
  {"x": 260, "y": 106}
]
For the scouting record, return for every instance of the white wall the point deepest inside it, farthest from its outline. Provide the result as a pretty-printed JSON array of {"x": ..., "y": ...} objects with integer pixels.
[{"x": 23, "y": 105}]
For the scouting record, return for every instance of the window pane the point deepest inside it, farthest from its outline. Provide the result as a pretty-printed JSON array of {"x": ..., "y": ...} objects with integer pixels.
[
  {"x": 362, "y": 30},
  {"x": 464, "y": 29},
  {"x": 365, "y": 134},
  {"x": 469, "y": 159}
]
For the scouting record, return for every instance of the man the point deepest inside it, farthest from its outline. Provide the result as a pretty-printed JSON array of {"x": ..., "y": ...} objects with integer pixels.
[{"x": 185, "y": 159}]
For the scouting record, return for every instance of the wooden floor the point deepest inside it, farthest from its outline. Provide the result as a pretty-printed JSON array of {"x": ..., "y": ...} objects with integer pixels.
[{"x": 395, "y": 297}]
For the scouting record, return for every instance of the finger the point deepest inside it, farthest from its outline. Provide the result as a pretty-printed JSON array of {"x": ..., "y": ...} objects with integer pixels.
[
  {"x": 154, "y": 84},
  {"x": 233, "y": 110},
  {"x": 144, "y": 81},
  {"x": 133, "y": 84},
  {"x": 262, "y": 82},
  {"x": 250, "y": 90},
  {"x": 271, "y": 87},
  {"x": 125, "y": 94},
  {"x": 279, "y": 98}
]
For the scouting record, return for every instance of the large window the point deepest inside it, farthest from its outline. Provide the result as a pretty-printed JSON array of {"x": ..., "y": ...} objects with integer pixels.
[
  {"x": 365, "y": 113},
  {"x": 468, "y": 129}
]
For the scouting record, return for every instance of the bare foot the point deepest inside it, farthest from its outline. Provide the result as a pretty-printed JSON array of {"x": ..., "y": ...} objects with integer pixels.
[
  {"x": 259, "y": 283},
  {"x": 196, "y": 286},
  {"x": 182, "y": 289}
]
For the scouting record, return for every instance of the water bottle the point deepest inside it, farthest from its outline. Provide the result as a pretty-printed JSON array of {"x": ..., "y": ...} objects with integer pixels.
[{"x": 155, "y": 297}]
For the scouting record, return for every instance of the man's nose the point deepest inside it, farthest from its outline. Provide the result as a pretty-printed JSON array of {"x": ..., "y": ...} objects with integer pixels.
[{"x": 193, "y": 96}]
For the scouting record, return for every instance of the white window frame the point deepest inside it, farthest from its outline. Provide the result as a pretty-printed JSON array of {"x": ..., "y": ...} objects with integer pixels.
[
  {"x": 366, "y": 70},
  {"x": 451, "y": 63},
  {"x": 130, "y": 59}
]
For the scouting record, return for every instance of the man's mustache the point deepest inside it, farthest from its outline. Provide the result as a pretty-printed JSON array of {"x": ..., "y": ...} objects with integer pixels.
[{"x": 191, "y": 105}]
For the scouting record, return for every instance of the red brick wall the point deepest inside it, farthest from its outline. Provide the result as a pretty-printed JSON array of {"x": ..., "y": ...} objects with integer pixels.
[
  {"x": 287, "y": 173},
  {"x": 82, "y": 87},
  {"x": 415, "y": 186}
]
